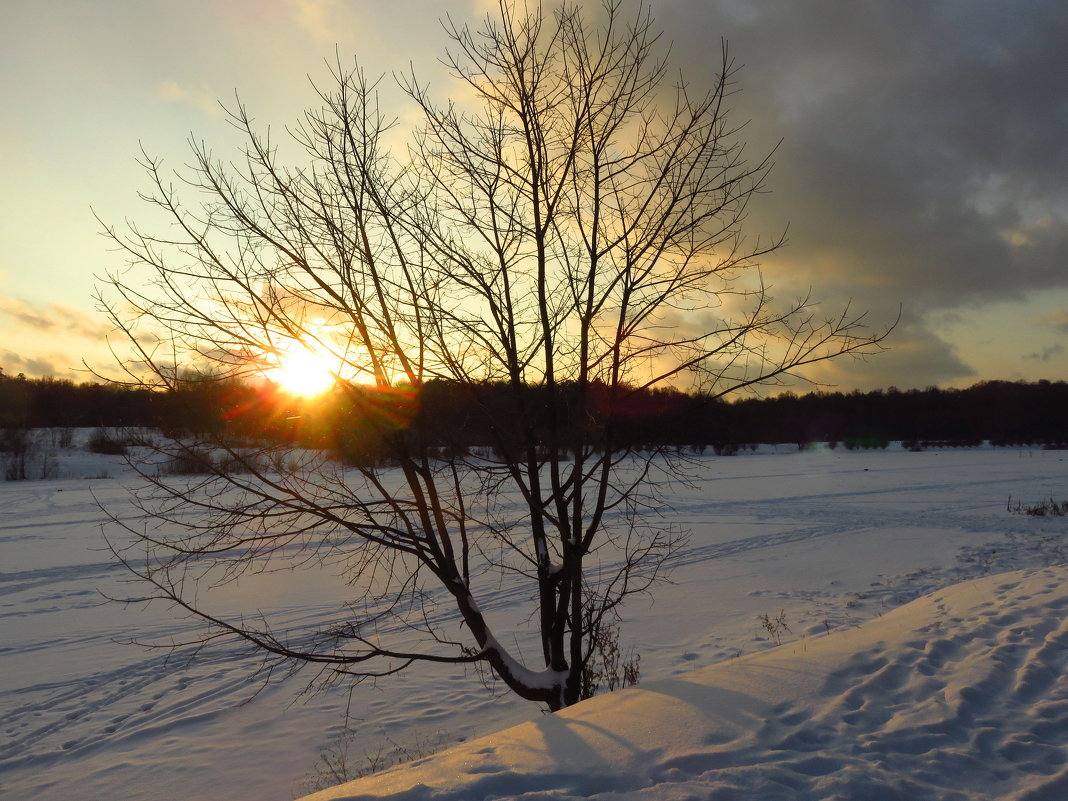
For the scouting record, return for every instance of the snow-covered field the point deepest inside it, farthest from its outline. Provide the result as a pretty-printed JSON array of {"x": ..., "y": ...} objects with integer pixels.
[{"x": 958, "y": 695}]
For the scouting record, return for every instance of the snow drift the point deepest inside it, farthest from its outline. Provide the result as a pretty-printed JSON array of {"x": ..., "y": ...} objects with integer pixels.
[{"x": 958, "y": 695}]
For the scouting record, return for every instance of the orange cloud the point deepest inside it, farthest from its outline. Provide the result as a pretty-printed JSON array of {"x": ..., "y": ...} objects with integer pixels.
[
  {"x": 50, "y": 365},
  {"x": 53, "y": 318}
]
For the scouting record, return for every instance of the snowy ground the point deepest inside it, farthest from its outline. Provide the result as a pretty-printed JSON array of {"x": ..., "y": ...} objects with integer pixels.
[
  {"x": 958, "y": 696},
  {"x": 824, "y": 540}
]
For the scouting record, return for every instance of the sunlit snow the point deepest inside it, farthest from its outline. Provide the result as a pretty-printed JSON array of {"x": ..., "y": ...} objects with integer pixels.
[{"x": 957, "y": 695}]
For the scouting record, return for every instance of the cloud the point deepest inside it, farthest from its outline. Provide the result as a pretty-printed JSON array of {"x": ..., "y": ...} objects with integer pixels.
[
  {"x": 1057, "y": 319},
  {"x": 916, "y": 358},
  {"x": 923, "y": 143},
  {"x": 53, "y": 318},
  {"x": 199, "y": 98},
  {"x": 1046, "y": 354},
  {"x": 53, "y": 366},
  {"x": 321, "y": 19}
]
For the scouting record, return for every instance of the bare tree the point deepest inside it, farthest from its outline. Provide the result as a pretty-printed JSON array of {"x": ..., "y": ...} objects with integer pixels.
[{"x": 561, "y": 241}]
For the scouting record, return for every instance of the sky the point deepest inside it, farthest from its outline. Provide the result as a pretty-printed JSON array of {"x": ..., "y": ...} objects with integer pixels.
[{"x": 921, "y": 153}]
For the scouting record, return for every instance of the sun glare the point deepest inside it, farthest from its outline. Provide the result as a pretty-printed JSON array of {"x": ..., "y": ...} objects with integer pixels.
[{"x": 303, "y": 371}]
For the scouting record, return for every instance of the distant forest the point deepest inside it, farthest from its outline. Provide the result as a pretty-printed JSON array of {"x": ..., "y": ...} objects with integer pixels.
[{"x": 1005, "y": 413}]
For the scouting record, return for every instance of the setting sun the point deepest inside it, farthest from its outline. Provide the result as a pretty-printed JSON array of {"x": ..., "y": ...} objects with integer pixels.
[{"x": 303, "y": 371}]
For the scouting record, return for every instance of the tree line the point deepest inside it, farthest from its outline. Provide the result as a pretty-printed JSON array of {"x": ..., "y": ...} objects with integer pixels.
[{"x": 352, "y": 421}]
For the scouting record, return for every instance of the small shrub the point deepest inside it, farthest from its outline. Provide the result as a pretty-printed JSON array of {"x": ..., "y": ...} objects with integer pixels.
[
  {"x": 24, "y": 458},
  {"x": 866, "y": 443},
  {"x": 775, "y": 626},
  {"x": 341, "y": 761},
  {"x": 106, "y": 442},
  {"x": 371, "y": 452},
  {"x": 231, "y": 465},
  {"x": 61, "y": 436},
  {"x": 606, "y": 667},
  {"x": 14, "y": 440},
  {"x": 233, "y": 462},
  {"x": 15, "y": 467},
  {"x": 47, "y": 468},
  {"x": 138, "y": 437},
  {"x": 946, "y": 443},
  {"x": 189, "y": 462},
  {"x": 1047, "y": 508}
]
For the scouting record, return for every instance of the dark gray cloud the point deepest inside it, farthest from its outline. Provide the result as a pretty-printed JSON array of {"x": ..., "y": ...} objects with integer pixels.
[
  {"x": 1046, "y": 353},
  {"x": 924, "y": 145},
  {"x": 915, "y": 358}
]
